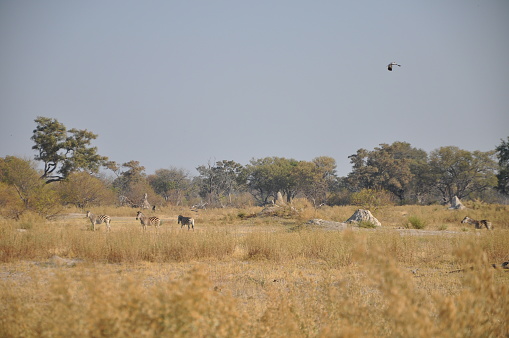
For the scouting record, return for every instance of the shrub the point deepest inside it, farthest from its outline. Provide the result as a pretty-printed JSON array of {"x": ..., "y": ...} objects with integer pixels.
[
  {"x": 416, "y": 222},
  {"x": 366, "y": 224},
  {"x": 371, "y": 199}
]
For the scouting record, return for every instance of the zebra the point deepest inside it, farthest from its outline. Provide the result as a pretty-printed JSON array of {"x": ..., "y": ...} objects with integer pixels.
[
  {"x": 185, "y": 221},
  {"x": 156, "y": 221},
  {"x": 99, "y": 219},
  {"x": 478, "y": 224}
]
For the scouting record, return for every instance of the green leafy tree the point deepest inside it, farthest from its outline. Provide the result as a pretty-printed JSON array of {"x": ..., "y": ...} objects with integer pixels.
[
  {"x": 316, "y": 178},
  {"x": 267, "y": 176},
  {"x": 422, "y": 189},
  {"x": 133, "y": 173},
  {"x": 220, "y": 181},
  {"x": 457, "y": 172},
  {"x": 308, "y": 179},
  {"x": 171, "y": 184},
  {"x": 62, "y": 151},
  {"x": 327, "y": 166},
  {"x": 388, "y": 167},
  {"x": 503, "y": 162},
  {"x": 228, "y": 173}
]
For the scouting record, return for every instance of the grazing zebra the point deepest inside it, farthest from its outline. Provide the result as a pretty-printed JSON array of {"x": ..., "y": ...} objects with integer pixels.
[
  {"x": 478, "y": 224},
  {"x": 185, "y": 221},
  {"x": 155, "y": 221},
  {"x": 99, "y": 219}
]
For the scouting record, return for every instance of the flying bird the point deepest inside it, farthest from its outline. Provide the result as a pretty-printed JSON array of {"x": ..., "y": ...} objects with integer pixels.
[{"x": 389, "y": 66}]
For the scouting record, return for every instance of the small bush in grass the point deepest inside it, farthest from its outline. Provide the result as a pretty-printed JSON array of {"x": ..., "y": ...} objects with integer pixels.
[
  {"x": 371, "y": 199},
  {"x": 26, "y": 225},
  {"x": 416, "y": 222},
  {"x": 366, "y": 224}
]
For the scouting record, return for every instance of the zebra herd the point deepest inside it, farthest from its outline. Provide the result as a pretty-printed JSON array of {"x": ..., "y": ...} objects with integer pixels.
[
  {"x": 144, "y": 220},
  {"x": 189, "y": 221}
]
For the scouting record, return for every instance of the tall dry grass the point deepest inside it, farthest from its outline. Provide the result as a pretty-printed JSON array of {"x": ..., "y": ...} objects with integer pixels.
[
  {"x": 95, "y": 305},
  {"x": 376, "y": 297},
  {"x": 256, "y": 277},
  {"x": 125, "y": 246}
]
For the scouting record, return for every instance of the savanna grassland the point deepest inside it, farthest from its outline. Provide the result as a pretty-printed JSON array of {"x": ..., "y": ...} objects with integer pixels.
[{"x": 239, "y": 274}]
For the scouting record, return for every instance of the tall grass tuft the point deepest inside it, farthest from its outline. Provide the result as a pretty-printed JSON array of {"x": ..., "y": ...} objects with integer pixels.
[
  {"x": 416, "y": 222},
  {"x": 97, "y": 306}
]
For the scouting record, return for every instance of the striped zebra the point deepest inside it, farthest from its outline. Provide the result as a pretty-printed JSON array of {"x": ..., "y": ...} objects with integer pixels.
[
  {"x": 478, "y": 224},
  {"x": 155, "y": 221},
  {"x": 185, "y": 221},
  {"x": 98, "y": 219}
]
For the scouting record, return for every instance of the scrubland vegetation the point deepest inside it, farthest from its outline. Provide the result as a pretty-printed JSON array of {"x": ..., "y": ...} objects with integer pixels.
[
  {"x": 246, "y": 271},
  {"x": 241, "y": 274}
]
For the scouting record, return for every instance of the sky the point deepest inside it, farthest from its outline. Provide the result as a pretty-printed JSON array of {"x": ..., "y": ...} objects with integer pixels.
[{"x": 179, "y": 84}]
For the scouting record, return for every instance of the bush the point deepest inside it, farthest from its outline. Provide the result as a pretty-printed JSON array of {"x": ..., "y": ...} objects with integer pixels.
[
  {"x": 366, "y": 224},
  {"x": 371, "y": 199},
  {"x": 416, "y": 222},
  {"x": 84, "y": 190}
]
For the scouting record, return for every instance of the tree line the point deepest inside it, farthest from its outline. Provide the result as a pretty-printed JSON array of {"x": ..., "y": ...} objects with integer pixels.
[{"x": 390, "y": 173}]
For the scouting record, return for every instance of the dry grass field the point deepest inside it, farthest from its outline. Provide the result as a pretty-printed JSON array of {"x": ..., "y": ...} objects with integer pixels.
[{"x": 422, "y": 274}]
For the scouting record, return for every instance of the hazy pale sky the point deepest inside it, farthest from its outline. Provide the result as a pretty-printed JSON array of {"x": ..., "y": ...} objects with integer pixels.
[{"x": 184, "y": 83}]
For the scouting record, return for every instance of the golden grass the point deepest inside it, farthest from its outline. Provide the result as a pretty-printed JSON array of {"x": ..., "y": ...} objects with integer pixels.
[{"x": 257, "y": 277}]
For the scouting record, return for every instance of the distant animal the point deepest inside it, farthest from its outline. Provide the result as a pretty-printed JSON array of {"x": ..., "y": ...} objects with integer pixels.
[
  {"x": 94, "y": 219},
  {"x": 154, "y": 208},
  {"x": 146, "y": 221},
  {"x": 389, "y": 66},
  {"x": 504, "y": 265},
  {"x": 185, "y": 221},
  {"x": 478, "y": 224}
]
